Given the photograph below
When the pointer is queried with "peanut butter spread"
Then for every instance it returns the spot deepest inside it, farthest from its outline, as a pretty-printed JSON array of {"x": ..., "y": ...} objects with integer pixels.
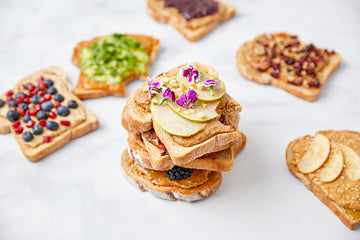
[
  {"x": 285, "y": 58},
  {"x": 76, "y": 116},
  {"x": 159, "y": 178},
  {"x": 343, "y": 191}
]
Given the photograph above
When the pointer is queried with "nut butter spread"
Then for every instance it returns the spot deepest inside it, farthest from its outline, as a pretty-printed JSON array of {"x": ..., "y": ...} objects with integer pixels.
[
  {"x": 159, "y": 178},
  {"x": 285, "y": 58},
  {"x": 343, "y": 191}
]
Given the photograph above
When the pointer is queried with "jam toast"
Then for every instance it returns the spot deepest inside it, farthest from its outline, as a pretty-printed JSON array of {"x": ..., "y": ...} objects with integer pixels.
[
  {"x": 282, "y": 60},
  {"x": 86, "y": 88},
  {"x": 43, "y": 113},
  {"x": 186, "y": 17},
  {"x": 329, "y": 166}
]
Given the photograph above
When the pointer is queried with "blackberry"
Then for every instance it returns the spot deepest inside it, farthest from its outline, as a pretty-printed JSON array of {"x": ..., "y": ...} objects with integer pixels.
[{"x": 179, "y": 173}]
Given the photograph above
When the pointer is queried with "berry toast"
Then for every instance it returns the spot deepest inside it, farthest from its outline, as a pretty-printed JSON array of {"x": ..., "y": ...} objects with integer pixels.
[
  {"x": 110, "y": 62},
  {"x": 43, "y": 113},
  {"x": 329, "y": 165},
  {"x": 193, "y": 19},
  {"x": 282, "y": 60}
]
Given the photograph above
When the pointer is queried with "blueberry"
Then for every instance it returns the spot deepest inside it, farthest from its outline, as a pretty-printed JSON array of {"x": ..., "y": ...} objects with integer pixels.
[
  {"x": 47, "y": 106},
  {"x": 2, "y": 103},
  {"x": 72, "y": 104},
  {"x": 49, "y": 82},
  {"x": 58, "y": 97},
  {"x": 26, "y": 118},
  {"x": 24, "y": 106},
  {"x": 51, "y": 90},
  {"x": 13, "y": 116},
  {"x": 27, "y": 136},
  {"x": 35, "y": 99},
  {"x": 51, "y": 125},
  {"x": 37, "y": 129},
  {"x": 63, "y": 111},
  {"x": 12, "y": 104},
  {"x": 41, "y": 115}
]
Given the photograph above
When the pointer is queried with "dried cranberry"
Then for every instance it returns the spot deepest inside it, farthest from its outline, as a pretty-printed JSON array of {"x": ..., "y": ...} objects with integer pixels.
[
  {"x": 52, "y": 115},
  {"x": 42, "y": 122},
  {"x": 30, "y": 123},
  {"x": 16, "y": 124},
  {"x": 19, "y": 130},
  {"x": 276, "y": 73},
  {"x": 262, "y": 69},
  {"x": 296, "y": 65},
  {"x": 275, "y": 65},
  {"x": 47, "y": 139},
  {"x": 308, "y": 48},
  {"x": 315, "y": 83},
  {"x": 289, "y": 60},
  {"x": 298, "y": 71},
  {"x": 296, "y": 83},
  {"x": 68, "y": 123},
  {"x": 311, "y": 72}
]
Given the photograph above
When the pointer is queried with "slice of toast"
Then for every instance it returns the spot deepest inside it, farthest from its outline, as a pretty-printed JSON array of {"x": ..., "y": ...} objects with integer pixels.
[
  {"x": 81, "y": 119},
  {"x": 151, "y": 46},
  {"x": 335, "y": 194},
  {"x": 147, "y": 180},
  {"x": 193, "y": 29},
  {"x": 150, "y": 155},
  {"x": 303, "y": 69}
]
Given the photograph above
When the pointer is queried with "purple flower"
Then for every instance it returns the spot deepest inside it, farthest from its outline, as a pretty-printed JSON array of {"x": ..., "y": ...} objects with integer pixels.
[
  {"x": 187, "y": 100},
  {"x": 191, "y": 73},
  {"x": 211, "y": 84},
  {"x": 169, "y": 94},
  {"x": 154, "y": 87}
]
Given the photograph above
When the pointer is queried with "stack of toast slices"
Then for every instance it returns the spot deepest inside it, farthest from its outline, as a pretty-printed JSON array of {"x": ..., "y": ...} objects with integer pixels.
[{"x": 154, "y": 154}]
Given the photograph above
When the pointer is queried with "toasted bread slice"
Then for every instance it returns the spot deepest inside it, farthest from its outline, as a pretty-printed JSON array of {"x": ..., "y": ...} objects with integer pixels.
[
  {"x": 82, "y": 120},
  {"x": 149, "y": 154},
  {"x": 151, "y": 47},
  {"x": 199, "y": 186},
  {"x": 340, "y": 195},
  {"x": 255, "y": 60},
  {"x": 194, "y": 29}
]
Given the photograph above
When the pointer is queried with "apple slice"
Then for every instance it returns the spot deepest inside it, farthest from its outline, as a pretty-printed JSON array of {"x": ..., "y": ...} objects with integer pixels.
[
  {"x": 204, "y": 94},
  {"x": 316, "y": 154},
  {"x": 172, "y": 123},
  {"x": 352, "y": 163},
  {"x": 202, "y": 112},
  {"x": 334, "y": 165}
]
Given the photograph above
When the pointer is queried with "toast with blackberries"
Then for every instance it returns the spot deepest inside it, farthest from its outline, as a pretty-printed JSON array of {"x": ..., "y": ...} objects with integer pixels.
[
  {"x": 282, "y": 60},
  {"x": 108, "y": 63},
  {"x": 193, "y": 19},
  {"x": 43, "y": 113},
  {"x": 329, "y": 165}
]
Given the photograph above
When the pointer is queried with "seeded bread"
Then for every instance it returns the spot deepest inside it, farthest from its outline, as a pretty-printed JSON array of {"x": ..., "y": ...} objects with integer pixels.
[
  {"x": 349, "y": 217},
  {"x": 249, "y": 72},
  {"x": 194, "y": 29},
  {"x": 60, "y": 81},
  {"x": 170, "y": 192},
  {"x": 152, "y": 48}
]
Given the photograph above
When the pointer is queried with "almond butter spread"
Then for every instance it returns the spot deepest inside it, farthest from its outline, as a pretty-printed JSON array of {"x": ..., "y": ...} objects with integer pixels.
[
  {"x": 285, "y": 58},
  {"x": 159, "y": 178},
  {"x": 343, "y": 191}
]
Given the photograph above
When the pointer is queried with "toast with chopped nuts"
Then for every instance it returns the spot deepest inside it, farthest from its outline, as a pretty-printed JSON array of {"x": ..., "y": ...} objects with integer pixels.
[
  {"x": 199, "y": 185},
  {"x": 193, "y": 26},
  {"x": 329, "y": 166},
  {"x": 282, "y": 60},
  {"x": 87, "y": 88},
  {"x": 44, "y": 114}
]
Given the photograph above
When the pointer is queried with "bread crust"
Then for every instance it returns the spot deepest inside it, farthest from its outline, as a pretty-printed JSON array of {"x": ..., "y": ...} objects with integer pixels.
[
  {"x": 308, "y": 94},
  {"x": 171, "y": 193},
  {"x": 35, "y": 154},
  {"x": 317, "y": 191},
  {"x": 152, "y": 48},
  {"x": 194, "y": 29}
]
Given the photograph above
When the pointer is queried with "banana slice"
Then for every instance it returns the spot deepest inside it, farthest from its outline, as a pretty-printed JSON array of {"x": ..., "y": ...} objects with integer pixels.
[
  {"x": 352, "y": 163},
  {"x": 333, "y": 166},
  {"x": 316, "y": 155}
]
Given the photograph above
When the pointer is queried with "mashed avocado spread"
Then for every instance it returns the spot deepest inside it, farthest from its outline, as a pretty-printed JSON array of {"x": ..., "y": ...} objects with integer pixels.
[{"x": 113, "y": 58}]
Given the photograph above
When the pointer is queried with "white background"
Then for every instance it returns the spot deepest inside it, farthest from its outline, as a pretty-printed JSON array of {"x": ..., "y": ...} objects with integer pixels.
[{"x": 79, "y": 192}]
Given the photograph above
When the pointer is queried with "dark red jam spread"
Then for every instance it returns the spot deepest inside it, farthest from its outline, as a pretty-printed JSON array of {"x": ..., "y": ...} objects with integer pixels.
[{"x": 193, "y": 8}]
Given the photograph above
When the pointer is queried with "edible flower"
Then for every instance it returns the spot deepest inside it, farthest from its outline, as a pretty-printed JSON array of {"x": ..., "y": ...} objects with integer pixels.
[
  {"x": 168, "y": 95},
  {"x": 191, "y": 73},
  {"x": 211, "y": 84},
  {"x": 154, "y": 87},
  {"x": 187, "y": 100}
]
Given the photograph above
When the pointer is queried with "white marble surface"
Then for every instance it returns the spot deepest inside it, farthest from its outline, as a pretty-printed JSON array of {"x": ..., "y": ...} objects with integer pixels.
[{"x": 79, "y": 193}]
